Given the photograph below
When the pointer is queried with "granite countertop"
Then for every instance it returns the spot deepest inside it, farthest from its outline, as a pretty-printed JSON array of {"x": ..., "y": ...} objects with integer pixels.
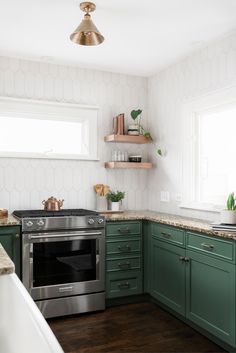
[
  {"x": 6, "y": 265},
  {"x": 9, "y": 221},
  {"x": 172, "y": 220}
]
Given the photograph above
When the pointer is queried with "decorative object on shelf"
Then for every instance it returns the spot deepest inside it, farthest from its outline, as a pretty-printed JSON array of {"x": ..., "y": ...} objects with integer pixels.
[
  {"x": 52, "y": 204},
  {"x": 134, "y": 129},
  {"x": 3, "y": 213},
  {"x": 101, "y": 191},
  {"x": 119, "y": 156},
  {"x": 135, "y": 158},
  {"x": 114, "y": 199},
  {"x": 87, "y": 33},
  {"x": 228, "y": 216}
]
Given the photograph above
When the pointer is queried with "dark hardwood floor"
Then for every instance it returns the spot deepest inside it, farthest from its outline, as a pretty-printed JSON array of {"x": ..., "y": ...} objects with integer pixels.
[{"x": 139, "y": 328}]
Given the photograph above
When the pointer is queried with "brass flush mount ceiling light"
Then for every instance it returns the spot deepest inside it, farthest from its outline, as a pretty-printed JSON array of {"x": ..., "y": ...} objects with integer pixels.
[{"x": 87, "y": 33}]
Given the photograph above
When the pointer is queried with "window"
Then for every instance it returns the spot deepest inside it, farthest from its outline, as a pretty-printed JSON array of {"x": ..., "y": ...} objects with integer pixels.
[
  {"x": 47, "y": 130},
  {"x": 216, "y": 163},
  {"x": 208, "y": 153}
]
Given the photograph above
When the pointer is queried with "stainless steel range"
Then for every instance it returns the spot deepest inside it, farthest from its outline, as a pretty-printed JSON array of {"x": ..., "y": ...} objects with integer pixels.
[{"x": 63, "y": 260}]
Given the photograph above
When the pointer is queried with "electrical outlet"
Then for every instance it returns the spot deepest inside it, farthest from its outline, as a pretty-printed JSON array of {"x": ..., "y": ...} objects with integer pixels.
[{"x": 165, "y": 196}]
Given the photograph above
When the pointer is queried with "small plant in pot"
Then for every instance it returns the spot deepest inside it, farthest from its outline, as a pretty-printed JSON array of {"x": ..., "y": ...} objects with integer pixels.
[
  {"x": 115, "y": 198},
  {"x": 228, "y": 216}
]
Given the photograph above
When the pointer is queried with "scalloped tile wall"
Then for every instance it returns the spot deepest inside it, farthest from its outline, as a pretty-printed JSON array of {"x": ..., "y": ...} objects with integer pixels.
[{"x": 24, "y": 183}]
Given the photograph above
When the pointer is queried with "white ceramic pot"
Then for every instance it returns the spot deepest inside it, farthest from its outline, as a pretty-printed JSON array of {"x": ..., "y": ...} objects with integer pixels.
[
  {"x": 115, "y": 206},
  {"x": 228, "y": 217}
]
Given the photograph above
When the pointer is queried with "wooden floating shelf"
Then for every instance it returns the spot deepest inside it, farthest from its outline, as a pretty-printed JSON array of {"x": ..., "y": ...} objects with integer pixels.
[
  {"x": 127, "y": 139},
  {"x": 128, "y": 165}
]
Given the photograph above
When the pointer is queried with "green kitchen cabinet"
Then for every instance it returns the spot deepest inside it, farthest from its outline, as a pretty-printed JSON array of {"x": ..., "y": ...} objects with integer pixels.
[
  {"x": 168, "y": 275},
  {"x": 10, "y": 239},
  {"x": 210, "y": 295},
  {"x": 124, "y": 260}
]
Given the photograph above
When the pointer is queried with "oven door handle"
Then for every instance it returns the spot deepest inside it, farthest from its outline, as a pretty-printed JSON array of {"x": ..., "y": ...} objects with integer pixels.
[{"x": 64, "y": 235}]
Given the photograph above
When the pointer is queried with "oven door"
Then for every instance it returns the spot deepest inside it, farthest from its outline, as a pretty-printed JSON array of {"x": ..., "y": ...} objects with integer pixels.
[{"x": 63, "y": 264}]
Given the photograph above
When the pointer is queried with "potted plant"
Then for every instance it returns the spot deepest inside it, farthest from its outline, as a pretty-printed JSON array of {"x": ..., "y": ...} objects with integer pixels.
[
  {"x": 228, "y": 216},
  {"x": 115, "y": 198}
]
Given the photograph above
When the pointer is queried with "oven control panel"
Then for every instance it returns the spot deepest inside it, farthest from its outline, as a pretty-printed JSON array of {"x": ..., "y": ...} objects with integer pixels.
[{"x": 60, "y": 223}]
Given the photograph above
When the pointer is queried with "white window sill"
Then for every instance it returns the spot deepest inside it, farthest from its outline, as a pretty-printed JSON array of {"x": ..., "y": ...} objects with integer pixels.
[{"x": 202, "y": 207}]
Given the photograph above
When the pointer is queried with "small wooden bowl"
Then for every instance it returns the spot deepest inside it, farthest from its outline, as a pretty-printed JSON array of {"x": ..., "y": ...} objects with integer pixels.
[{"x": 3, "y": 213}]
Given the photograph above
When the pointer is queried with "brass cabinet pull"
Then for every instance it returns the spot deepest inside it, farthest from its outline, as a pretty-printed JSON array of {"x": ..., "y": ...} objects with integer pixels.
[
  {"x": 124, "y": 265},
  {"x": 181, "y": 258},
  {"x": 124, "y": 230},
  {"x": 124, "y": 285},
  {"x": 207, "y": 246},
  {"x": 125, "y": 248},
  {"x": 17, "y": 236},
  {"x": 166, "y": 235}
]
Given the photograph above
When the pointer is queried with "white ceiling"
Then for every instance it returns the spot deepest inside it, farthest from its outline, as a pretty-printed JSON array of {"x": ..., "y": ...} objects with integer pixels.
[{"x": 141, "y": 37}]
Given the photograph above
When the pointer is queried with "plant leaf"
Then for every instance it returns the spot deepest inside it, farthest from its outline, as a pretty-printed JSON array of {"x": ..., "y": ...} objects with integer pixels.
[
  {"x": 135, "y": 113},
  {"x": 159, "y": 151}
]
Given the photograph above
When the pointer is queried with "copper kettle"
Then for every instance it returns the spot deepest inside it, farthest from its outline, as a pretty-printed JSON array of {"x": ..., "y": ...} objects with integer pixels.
[{"x": 52, "y": 204}]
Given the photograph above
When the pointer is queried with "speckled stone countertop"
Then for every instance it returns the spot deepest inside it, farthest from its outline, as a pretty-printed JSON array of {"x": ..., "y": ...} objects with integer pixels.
[
  {"x": 6, "y": 265},
  {"x": 9, "y": 221},
  {"x": 172, "y": 220}
]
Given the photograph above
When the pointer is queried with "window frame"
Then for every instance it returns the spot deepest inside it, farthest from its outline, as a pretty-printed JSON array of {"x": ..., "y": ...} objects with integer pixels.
[
  {"x": 213, "y": 101},
  {"x": 40, "y": 109}
]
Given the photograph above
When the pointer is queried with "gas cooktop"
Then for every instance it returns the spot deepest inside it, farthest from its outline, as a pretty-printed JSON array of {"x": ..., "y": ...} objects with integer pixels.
[{"x": 61, "y": 213}]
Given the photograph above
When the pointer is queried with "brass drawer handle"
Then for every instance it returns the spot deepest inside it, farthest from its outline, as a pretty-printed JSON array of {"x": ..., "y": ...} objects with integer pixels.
[
  {"x": 124, "y": 230},
  {"x": 124, "y": 285},
  {"x": 166, "y": 235},
  {"x": 184, "y": 259},
  {"x": 124, "y": 265},
  {"x": 125, "y": 248},
  {"x": 207, "y": 246}
]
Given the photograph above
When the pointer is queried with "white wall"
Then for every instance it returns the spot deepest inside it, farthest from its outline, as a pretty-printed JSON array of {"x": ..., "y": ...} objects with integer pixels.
[
  {"x": 209, "y": 69},
  {"x": 24, "y": 183}
]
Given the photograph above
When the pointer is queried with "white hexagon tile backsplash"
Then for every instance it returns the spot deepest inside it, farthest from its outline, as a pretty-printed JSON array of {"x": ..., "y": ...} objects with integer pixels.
[{"x": 24, "y": 183}]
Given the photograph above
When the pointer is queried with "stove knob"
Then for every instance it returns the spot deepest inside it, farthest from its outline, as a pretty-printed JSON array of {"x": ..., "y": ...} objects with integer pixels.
[
  {"x": 40, "y": 222},
  {"x": 100, "y": 220},
  {"x": 29, "y": 223},
  {"x": 91, "y": 221}
]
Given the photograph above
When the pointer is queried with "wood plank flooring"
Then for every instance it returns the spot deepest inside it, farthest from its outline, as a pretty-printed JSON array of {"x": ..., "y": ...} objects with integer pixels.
[{"x": 136, "y": 328}]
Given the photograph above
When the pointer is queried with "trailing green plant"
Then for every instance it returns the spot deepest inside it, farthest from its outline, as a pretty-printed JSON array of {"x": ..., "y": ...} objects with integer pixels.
[
  {"x": 115, "y": 196},
  {"x": 134, "y": 115},
  {"x": 231, "y": 202}
]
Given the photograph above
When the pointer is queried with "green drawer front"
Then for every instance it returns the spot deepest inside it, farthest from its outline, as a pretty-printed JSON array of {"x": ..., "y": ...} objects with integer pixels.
[
  {"x": 123, "y": 228},
  {"x": 216, "y": 247},
  {"x": 123, "y": 247},
  {"x": 128, "y": 283},
  {"x": 168, "y": 234},
  {"x": 129, "y": 263}
]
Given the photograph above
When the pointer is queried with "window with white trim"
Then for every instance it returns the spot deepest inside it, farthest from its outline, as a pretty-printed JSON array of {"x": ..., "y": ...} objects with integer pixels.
[
  {"x": 40, "y": 129},
  {"x": 209, "y": 149},
  {"x": 216, "y": 154}
]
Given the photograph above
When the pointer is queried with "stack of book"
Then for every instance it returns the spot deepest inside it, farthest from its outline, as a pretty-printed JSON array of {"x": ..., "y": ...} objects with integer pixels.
[{"x": 224, "y": 227}]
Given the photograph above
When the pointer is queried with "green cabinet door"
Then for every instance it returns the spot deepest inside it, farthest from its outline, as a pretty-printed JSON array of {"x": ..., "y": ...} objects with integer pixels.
[
  {"x": 11, "y": 241},
  {"x": 210, "y": 294},
  {"x": 168, "y": 275}
]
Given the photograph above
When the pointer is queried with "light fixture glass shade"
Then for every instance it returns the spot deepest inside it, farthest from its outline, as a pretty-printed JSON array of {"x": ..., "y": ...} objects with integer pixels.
[{"x": 87, "y": 33}]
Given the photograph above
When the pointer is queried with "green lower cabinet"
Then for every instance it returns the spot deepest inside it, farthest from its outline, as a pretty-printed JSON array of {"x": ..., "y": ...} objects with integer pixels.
[
  {"x": 168, "y": 275},
  {"x": 210, "y": 295},
  {"x": 11, "y": 241},
  {"x": 124, "y": 283},
  {"x": 147, "y": 262}
]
